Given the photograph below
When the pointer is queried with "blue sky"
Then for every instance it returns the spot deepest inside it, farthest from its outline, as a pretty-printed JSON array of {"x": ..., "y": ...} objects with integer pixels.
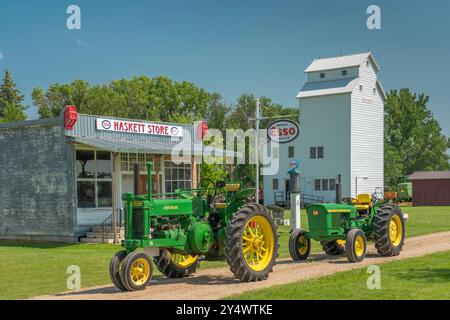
[{"x": 231, "y": 47}]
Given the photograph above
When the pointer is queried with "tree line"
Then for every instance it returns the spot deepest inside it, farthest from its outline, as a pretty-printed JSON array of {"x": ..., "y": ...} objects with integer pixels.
[{"x": 413, "y": 137}]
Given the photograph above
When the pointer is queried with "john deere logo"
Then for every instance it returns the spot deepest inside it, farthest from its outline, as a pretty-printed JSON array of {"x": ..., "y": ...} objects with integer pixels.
[
  {"x": 137, "y": 203},
  {"x": 316, "y": 212},
  {"x": 106, "y": 124},
  {"x": 170, "y": 208}
]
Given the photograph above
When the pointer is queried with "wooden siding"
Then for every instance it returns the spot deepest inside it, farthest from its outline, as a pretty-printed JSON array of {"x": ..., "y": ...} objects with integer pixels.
[
  {"x": 431, "y": 192},
  {"x": 367, "y": 130}
]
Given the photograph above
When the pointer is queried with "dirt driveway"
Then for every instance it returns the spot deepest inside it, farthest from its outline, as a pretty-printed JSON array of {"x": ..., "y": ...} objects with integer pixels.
[{"x": 219, "y": 283}]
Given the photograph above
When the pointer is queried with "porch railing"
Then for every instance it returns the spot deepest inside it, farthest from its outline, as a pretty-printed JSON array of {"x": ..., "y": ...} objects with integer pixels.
[{"x": 107, "y": 226}]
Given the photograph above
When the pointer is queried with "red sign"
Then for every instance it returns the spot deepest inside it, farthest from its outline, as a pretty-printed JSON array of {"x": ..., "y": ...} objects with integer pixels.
[
  {"x": 282, "y": 131},
  {"x": 139, "y": 127},
  {"x": 202, "y": 130},
  {"x": 70, "y": 117}
]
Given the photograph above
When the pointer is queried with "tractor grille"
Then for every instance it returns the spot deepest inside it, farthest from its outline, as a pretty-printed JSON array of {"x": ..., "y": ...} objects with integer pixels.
[
  {"x": 138, "y": 222},
  {"x": 336, "y": 221}
]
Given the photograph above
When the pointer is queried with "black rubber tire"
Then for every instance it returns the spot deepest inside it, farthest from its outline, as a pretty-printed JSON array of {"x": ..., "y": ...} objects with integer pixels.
[
  {"x": 125, "y": 270},
  {"x": 332, "y": 248},
  {"x": 171, "y": 270},
  {"x": 114, "y": 269},
  {"x": 380, "y": 227},
  {"x": 233, "y": 243},
  {"x": 294, "y": 245},
  {"x": 352, "y": 256}
]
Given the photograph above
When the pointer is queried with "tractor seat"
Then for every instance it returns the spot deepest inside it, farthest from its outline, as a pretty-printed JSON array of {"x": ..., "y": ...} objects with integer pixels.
[
  {"x": 232, "y": 187},
  {"x": 220, "y": 205},
  {"x": 364, "y": 200}
]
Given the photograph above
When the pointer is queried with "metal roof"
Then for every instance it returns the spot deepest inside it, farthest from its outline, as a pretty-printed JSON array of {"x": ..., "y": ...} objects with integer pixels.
[
  {"x": 321, "y": 88},
  {"x": 430, "y": 175},
  {"x": 139, "y": 146},
  {"x": 341, "y": 62}
]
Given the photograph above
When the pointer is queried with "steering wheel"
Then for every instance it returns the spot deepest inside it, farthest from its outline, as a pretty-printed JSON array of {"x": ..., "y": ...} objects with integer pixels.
[
  {"x": 350, "y": 200},
  {"x": 206, "y": 183}
]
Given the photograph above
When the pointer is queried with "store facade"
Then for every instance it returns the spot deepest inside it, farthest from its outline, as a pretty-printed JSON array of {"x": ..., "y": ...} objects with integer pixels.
[{"x": 59, "y": 177}]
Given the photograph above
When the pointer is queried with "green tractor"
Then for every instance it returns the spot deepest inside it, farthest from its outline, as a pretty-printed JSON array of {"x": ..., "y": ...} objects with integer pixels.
[
  {"x": 346, "y": 227},
  {"x": 177, "y": 230}
]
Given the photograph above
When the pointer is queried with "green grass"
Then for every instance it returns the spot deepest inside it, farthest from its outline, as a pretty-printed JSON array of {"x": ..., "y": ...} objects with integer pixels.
[
  {"x": 426, "y": 277},
  {"x": 30, "y": 269},
  {"x": 426, "y": 220}
]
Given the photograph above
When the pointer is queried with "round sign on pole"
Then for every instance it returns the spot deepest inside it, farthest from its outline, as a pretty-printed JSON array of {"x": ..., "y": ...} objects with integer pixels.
[{"x": 282, "y": 131}]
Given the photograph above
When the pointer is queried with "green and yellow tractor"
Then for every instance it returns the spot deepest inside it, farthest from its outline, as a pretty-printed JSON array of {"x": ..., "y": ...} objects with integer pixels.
[
  {"x": 346, "y": 228},
  {"x": 176, "y": 231}
]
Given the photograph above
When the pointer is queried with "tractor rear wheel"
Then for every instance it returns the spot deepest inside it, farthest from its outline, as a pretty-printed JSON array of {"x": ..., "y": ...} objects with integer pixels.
[
  {"x": 176, "y": 265},
  {"x": 299, "y": 245},
  {"x": 389, "y": 230},
  {"x": 136, "y": 271},
  {"x": 334, "y": 247},
  {"x": 114, "y": 269},
  {"x": 251, "y": 243},
  {"x": 355, "y": 245}
]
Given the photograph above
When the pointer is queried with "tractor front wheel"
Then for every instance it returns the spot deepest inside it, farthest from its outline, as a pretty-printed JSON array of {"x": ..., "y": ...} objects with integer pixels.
[
  {"x": 299, "y": 245},
  {"x": 251, "y": 243},
  {"x": 176, "y": 265},
  {"x": 389, "y": 230},
  {"x": 355, "y": 245},
  {"x": 114, "y": 269},
  {"x": 136, "y": 271},
  {"x": 334, "y": 247}
]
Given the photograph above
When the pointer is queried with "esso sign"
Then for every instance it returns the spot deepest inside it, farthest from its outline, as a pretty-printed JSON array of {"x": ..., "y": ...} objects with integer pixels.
[{"x": 282, "y": 131}]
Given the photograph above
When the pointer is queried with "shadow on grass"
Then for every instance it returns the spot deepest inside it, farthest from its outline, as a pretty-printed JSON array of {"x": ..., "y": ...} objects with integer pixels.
[{"x": 434, "y": 275}]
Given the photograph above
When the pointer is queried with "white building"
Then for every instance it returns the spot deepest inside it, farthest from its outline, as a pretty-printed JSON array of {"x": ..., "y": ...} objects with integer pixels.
[{"x": 341, "y": 131}]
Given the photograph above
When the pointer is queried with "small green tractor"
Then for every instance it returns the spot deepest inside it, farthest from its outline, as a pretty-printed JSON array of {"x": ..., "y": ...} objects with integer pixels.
[
  {"x": 180, "y": 229},
  {"x": 346, "y": 227}
]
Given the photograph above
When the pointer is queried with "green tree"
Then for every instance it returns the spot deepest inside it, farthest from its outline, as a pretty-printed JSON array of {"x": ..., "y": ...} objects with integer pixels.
[
  {"x": 413, "y": 137},
  {"x": 11, "y": 108}
]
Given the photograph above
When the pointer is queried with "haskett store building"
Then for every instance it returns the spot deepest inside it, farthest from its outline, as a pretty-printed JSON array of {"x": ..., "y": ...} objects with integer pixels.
[{"x": 60, "y": 177}]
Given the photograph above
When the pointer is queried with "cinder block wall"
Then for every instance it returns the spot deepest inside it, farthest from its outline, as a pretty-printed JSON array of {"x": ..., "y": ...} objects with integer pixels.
[{"x": 37, "y": 189}]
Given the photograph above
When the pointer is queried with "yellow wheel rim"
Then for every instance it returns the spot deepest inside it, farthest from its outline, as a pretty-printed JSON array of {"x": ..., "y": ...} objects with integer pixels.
[
  {"x": 183, "y": 260},
  {"x": 258, "y": 243},
  {"x": 302, "y": 245},
  {"x": 140, "y": 271},
  {"x": 395, "y": 230},
  {"x": 359, "y": 246}
]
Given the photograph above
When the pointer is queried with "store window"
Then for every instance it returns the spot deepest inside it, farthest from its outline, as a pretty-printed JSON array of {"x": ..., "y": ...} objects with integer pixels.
[
  {"x": 127, "y": 161},
  {"x": 94, "y": 179},
  {"x": 177, "y": 176}
]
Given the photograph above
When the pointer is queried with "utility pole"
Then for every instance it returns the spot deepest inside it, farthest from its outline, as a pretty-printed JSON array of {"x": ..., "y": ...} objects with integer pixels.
[
  {"x": 257, "y": 150},
  {"x": 257, "y": 119}
]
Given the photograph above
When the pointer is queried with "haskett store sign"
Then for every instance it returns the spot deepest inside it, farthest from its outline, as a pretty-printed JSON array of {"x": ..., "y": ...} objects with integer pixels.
[{"x": 139, "y": 127}]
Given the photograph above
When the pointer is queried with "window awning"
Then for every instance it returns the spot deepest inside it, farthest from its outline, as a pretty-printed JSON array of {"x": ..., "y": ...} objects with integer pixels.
[{"x": 154, "y": 147}]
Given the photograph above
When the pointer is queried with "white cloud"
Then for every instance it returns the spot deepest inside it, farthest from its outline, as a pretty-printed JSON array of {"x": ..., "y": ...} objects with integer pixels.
[
  {"x": 82, "y": 43},
  {"x": 1, "y": 56}
]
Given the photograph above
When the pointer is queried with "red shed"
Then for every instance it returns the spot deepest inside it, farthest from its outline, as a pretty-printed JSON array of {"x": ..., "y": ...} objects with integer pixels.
[{"x": 431, "y": 188}]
